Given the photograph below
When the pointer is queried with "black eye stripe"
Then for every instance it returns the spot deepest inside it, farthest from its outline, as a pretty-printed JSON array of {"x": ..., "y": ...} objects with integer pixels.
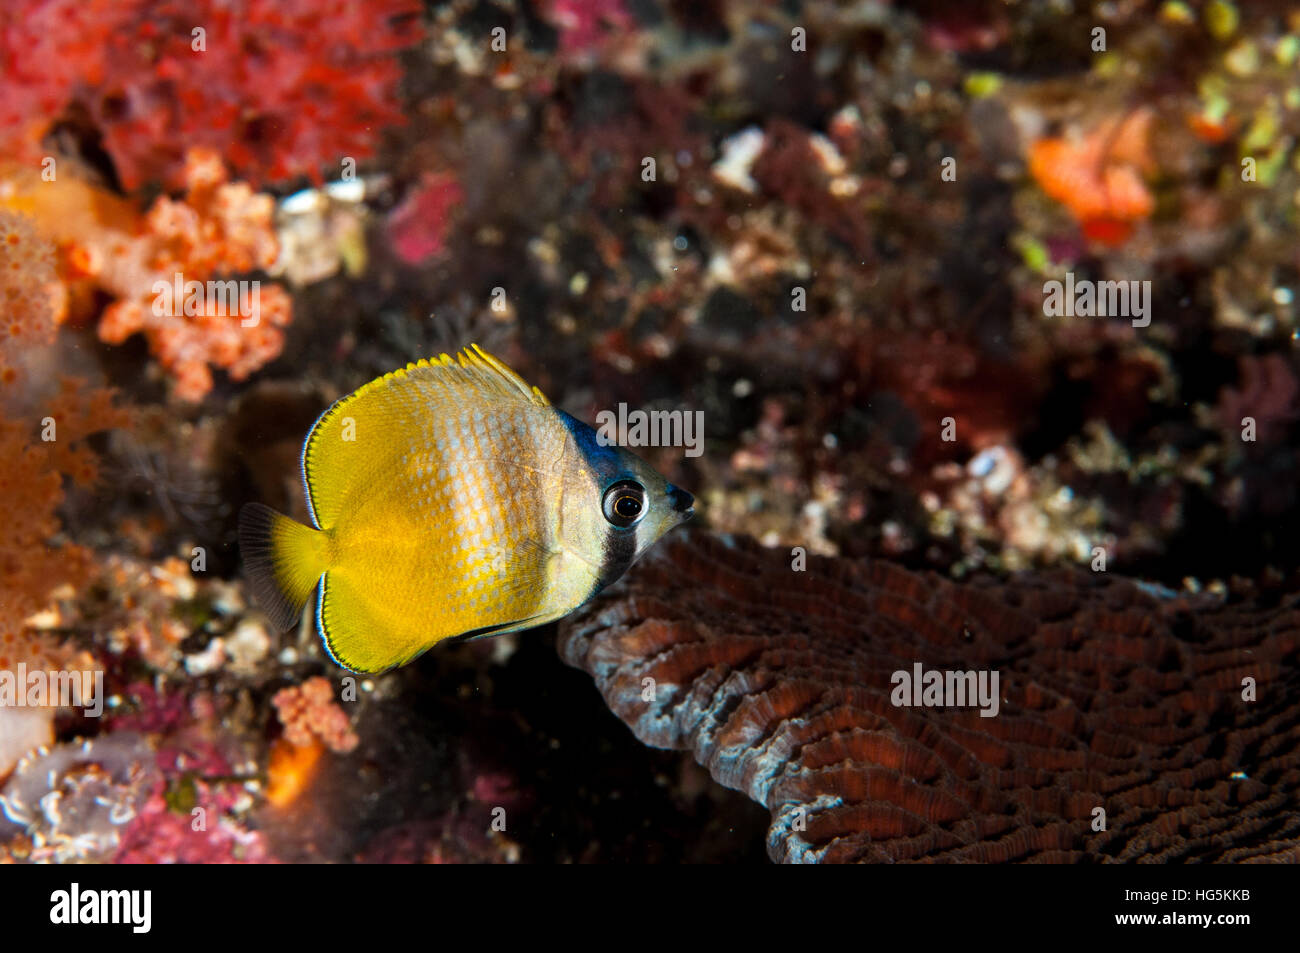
[{"x": 620, "y": 543}]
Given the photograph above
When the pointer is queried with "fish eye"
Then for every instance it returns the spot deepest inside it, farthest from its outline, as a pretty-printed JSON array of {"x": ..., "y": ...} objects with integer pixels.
[{"x": 624, "y": 503}]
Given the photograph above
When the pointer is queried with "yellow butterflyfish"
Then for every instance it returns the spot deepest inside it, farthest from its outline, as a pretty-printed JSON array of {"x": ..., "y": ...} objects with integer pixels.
[{"x": 451, "y": 500}]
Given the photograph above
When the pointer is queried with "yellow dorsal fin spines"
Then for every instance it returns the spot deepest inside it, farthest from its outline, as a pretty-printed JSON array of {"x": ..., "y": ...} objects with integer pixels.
[{"x": 489, "y": 368}]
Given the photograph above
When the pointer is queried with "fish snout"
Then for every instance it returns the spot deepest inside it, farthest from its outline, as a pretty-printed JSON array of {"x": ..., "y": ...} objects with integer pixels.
[{"x": 681, "y": 502}]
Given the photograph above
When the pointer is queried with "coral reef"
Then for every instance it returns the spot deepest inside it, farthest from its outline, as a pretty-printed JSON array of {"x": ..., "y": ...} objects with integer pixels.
[
  {"x": 1173, "y": 715},
  {"x": 828, "y": 228}
]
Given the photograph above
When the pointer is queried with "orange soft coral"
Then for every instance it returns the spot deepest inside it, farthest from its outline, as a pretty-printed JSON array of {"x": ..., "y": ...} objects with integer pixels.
[
  {"x": 219, "y": 228},
  {"x": 38, "y": 450},
  {"x": 39, "y": 447},
  {"x": 31, "y": 483},
  {"x": 1099, "y": 176},
  {"x": 27, "y": 293}
]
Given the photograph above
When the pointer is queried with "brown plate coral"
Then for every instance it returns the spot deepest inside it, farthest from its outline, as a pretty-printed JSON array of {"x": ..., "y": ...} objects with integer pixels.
[{"x": 1133, "y": 724}]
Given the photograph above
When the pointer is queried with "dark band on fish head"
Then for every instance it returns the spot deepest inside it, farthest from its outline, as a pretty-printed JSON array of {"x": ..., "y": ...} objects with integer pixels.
[
  {"x": 607, "y": 467},
  {"x": 619, "y": 551}
]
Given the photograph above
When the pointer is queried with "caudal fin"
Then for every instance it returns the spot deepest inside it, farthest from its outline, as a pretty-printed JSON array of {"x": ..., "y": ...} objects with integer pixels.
[{"x": 283, "y": 560}]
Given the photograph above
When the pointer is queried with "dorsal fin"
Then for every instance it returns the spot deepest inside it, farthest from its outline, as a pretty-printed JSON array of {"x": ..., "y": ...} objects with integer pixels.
[{"x": 354, "y": 440}]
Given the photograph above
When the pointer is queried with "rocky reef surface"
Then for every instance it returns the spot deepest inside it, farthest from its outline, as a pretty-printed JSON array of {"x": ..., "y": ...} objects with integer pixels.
[{"x": 988, "y": 308}]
